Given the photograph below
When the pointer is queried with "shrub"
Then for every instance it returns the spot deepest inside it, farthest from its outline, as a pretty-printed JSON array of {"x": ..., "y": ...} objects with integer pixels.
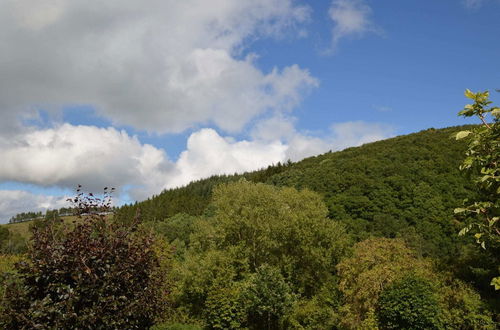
[
  {"x": 224, "y": 308},
  {"x": 375, "y": 264},
  {"x": 10, "y": 242},
  {"x": 409, "y": 304},
  {"x": 94, "y": 274},
  {"x": 268, "y": 297}
]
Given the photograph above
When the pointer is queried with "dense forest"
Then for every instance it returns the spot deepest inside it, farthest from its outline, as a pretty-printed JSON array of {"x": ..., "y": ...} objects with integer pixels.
[
  {"x": 364, "y": 238},
  {"x": 403, "y": 187}
]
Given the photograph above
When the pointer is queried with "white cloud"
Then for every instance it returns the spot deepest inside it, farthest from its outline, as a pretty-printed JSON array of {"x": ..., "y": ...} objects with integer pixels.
[
  {"x": 69, "y": 155},
  {"x": 17, "y": 201},
  {"x": 356, "y": 133},
  {"x": 351, "y": 18},
  {"x": 157, "y": 65},
  {"x": 208, "y": 153},
  {"x": 301, "y": 145}
]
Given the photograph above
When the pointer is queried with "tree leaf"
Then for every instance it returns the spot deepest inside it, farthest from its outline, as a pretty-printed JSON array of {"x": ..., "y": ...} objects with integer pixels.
[
  {"x": 469, "y": 94},
  {"x": 462, "y": 134},
  {"x": 495, "y": 112},
  {"x": 496, "y": 282}
]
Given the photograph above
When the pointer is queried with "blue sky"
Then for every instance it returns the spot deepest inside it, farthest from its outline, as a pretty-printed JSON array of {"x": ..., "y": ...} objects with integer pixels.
[{"x": 151, "y": 95}]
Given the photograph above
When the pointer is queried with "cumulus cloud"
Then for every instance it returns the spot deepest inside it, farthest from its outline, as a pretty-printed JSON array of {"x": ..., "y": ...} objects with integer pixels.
[
  {"x": 160, "y": 66},
  {"x": 155, "y": 65},
  {"x": 351, "y": 18},
  {"x": 17, "y": 201},
  {"x": 208, "y": 153},
  {"x": 69, "y": 155}
]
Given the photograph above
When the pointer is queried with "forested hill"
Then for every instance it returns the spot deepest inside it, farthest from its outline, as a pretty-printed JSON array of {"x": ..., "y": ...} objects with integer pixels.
[{"x": 403, "y": 186}]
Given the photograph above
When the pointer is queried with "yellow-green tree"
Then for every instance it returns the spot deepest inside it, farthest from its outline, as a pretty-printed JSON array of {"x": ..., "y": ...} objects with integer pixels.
[
  {"x": 280, "y": 227},
  {"x": 377, "y": 263},
  {"x": 262, "y": 247}
]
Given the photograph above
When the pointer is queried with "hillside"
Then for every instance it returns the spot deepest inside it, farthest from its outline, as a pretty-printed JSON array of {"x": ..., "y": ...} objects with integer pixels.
[
  {"x": 230, "y": 243},
  {"x": 403, "y": 186},
  {"x": 23, "y": 228}
]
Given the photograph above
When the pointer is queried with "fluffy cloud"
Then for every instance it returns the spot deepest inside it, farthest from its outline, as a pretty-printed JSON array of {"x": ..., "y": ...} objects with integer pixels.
[
  {"x": 156, "y": 65},
  {"x": 208, "y": 153},
  {"x": 160, "y": 66},
  {"x": 273, "y": 140},
  {"x": 69, "y": 155},
  {"x": 96, "y": 157},
  {"x": 17, "y": 201},
  {"x": 351, "y": 18}
]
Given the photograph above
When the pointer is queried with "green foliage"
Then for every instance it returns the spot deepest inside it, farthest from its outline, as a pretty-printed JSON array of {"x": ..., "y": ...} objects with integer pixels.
[
  {"x": 268, "y": 297},
  {"x": 462, "y": 307},
  {"x": 96, "y": 273},
  {"x": 200, "y": 272},
  {"x": 224, "y": 308},
  {"x": 409, "y": 303},
  {"x": 383, "y": 188},
  {"x": 179, "y": 227},
  {"x": 311, "y": 314},
  {"x": 319, "y": 312},
  {"x": 7, "y": 273},
  {"x": 281, "y": 227},
  {"x": 263, "y": 247},
  {"x": 378, "y": 263},
  {"x": 176, "y": 230},
  {"x": 25, "y": 216},
  {"x": 482, "y": 166},
  {"x": 11, "y": 243},
  {"x": 192, "y": 199},
  {"x": 386, "y": 187},
  {"x": 254, "y": 255},
  {"x": 375, "y": 264}
]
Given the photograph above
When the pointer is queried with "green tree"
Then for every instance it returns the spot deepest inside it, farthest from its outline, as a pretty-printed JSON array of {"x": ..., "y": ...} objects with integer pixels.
[
  {"x": 11, "y": 243},
  {"x": 224, "y": 308},
  {"x": 261, "y": 247},
  {"x": 281, "y": 227},
  {"x": 375, "y": 264},
  {"x": 409, "y": 303},
  {"x": 482, "y": 165},
  {"x": 268, "y": 297}
]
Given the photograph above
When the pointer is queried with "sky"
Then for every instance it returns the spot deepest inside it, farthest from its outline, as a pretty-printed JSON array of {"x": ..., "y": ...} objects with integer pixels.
[{"x": 150, "y": 95}]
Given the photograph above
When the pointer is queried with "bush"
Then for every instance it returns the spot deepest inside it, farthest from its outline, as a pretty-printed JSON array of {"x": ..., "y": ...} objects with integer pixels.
[
  {"x": 95, "y": 274},
  {"x": 11, "y": 243},
  {"x": 374, "y": 265},
  {"x": 224, "y": 308},
  {"x": 409, "y": 304},
  {"x": 268, "y": 297}
]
